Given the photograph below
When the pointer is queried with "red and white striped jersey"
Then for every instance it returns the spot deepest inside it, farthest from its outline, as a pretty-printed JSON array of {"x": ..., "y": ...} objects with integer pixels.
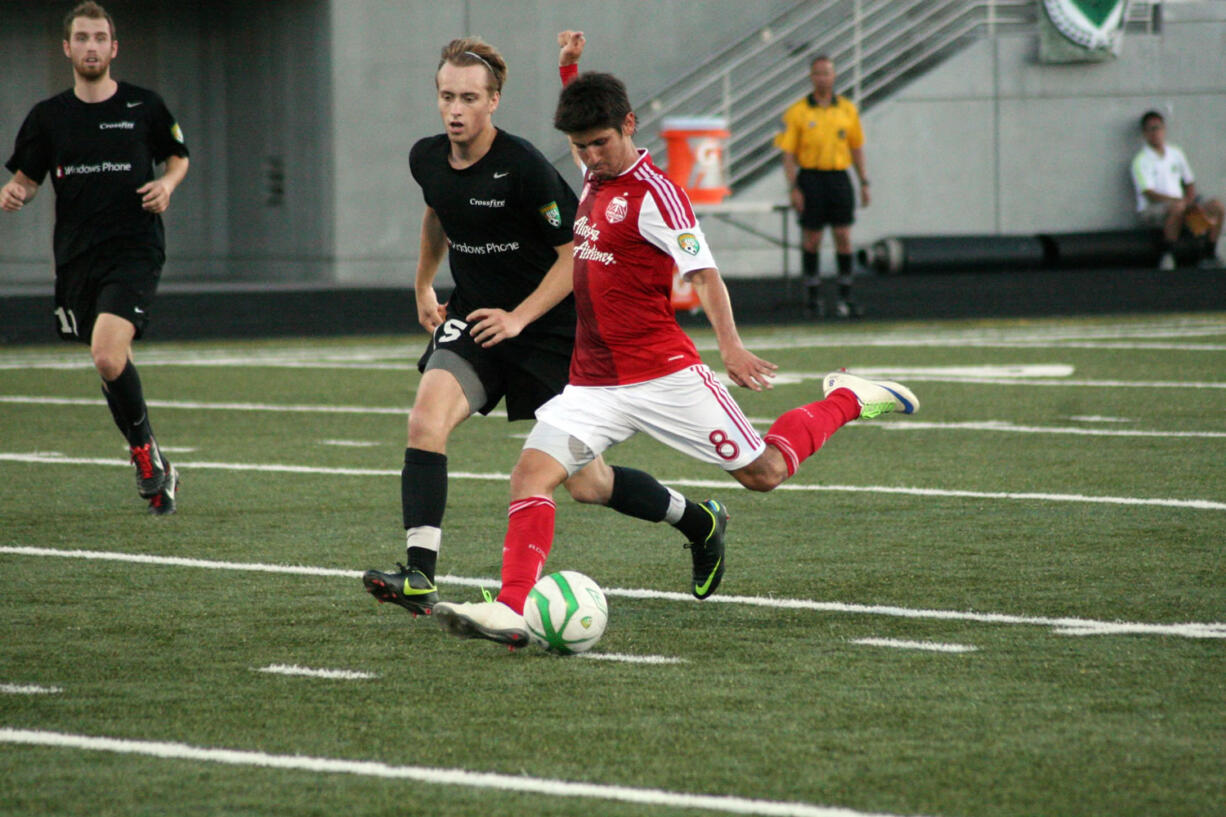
[{"x": 630, "y": 233}]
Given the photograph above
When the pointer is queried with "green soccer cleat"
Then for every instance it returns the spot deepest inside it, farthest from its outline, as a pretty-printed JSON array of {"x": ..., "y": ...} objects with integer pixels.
[
  {"x": 708, "y": 555},
  {"x": 410, "y": 588}
]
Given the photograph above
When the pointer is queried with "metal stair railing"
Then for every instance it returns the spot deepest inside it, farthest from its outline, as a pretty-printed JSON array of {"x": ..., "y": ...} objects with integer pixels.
[{"x": 878, "y": 47}]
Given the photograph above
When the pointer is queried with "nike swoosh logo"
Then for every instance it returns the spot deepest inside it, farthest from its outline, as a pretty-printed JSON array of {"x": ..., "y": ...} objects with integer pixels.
[
  {"x": 702, "y": 588},
  {"x": 503, "y": 173},
  {"x": 138, "y": 310},
  {"x": 134, "y": 104}
]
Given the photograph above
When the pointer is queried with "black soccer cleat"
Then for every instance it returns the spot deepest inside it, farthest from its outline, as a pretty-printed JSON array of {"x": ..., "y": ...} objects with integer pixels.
[
  {"x": 150, "y": 468},
  {"x": 410, "y": 588},
  {"x": 163, "y": 502},
  {"x": 708, "y": 555}
]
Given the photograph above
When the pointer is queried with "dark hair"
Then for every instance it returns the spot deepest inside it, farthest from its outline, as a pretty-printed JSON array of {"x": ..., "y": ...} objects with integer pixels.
[
  {"x": 592, "y": 100},
  {"x": 820, "y": 58},
  {"x": 88, "y": 9},
  {"x": 1148, "y": 115}
]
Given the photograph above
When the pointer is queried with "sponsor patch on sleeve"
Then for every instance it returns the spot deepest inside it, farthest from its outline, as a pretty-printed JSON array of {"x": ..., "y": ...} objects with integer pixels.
[
  {"x": 552, "y": 214},
  {"x": 177, "y": 133},
  {"x": 688, "y": 242}
]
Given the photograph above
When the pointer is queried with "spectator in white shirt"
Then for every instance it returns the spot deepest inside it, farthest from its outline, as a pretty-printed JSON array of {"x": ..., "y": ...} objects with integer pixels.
[{"x": 1166, "y": 194}]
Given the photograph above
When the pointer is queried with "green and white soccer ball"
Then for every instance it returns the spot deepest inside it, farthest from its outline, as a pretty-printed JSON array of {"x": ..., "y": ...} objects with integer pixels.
[{"x": 566, "y": 612}]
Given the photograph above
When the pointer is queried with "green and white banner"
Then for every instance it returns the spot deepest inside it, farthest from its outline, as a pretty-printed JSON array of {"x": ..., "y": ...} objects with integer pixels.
[{"x": 1080, "y": 30}]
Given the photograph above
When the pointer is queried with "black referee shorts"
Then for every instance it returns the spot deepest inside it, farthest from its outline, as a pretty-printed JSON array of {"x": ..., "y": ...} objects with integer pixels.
[
  {"x": 527, "y": 371},
  {"x": 115, "y": 277},
  {"x": 829, "y": 199}
]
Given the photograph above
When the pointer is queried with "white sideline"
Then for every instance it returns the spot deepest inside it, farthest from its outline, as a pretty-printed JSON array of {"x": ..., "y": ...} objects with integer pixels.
[
  {"x": 423, "y": 774},
  {"x": 332, "y": 674},
  {"x": 917, "y": 425},
  {"x": 29, "y": 689},
  {"x": 55, "y": 458},
  {"x": 1063, "y": 626},
  {"x": 929, "y": 646}
]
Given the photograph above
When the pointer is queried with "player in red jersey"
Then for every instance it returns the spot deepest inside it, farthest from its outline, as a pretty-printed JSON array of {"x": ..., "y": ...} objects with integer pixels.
[{"x": 633, "y": 368}]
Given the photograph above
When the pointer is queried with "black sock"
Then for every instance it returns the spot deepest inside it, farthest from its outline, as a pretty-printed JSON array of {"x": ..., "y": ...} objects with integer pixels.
[
  {"x": 127, "y": 401},
  {"x": 423, "y": 499},
  {"x": 116, "y": 413},
  {"x": 844, "y": 263},
  {"x": 696, "y": 523},
  {"x": 809, "y": 269},
  {"x": 638, "y": 494}
]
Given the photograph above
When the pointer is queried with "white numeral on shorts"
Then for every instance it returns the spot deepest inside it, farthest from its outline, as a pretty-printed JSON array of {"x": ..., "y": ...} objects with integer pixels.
[
  {"x": 68, "y": 321},
  {"x": 451, "y": 330}
]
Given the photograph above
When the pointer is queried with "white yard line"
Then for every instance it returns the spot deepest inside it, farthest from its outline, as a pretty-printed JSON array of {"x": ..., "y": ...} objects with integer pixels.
[
  {"x": 54, "y": 458},
  {"x": 28, "y": 689},
  {"x": 632, "y": 659},
  {"x": 927, "y": 646},
  {"x": 892, "y": 425},
  {"x": 331, "y": 674},
  {"x": 519, "y": 783},
  {"x": 1064, "y": 625}
]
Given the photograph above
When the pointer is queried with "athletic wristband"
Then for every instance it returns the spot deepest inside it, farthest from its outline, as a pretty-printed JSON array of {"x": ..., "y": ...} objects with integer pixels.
[{"x": 568, "y": 72}]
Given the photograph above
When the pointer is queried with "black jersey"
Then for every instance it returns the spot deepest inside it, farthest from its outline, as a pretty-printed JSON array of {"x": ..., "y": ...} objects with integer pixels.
[
  {"x": 503, "y": 217},
  {"x": 98, "y": 155}
]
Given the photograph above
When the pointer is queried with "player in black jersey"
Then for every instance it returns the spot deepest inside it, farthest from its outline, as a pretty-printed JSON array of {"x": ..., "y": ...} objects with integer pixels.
[
  {"x": 504, "y": 216},
  {"x": 100, "y": 141}
]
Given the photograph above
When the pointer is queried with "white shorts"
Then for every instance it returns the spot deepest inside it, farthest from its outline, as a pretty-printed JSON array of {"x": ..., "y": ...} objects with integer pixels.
[{"x": 689, "y": 410}]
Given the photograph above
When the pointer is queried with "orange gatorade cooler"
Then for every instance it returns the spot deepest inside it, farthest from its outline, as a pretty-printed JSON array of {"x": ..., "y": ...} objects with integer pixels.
[{"x": 696, "y": 156}]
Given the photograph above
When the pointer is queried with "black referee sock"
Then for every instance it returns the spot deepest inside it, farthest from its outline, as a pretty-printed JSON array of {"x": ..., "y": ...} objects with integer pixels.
[
  {"x": 844, "y": 265},
  {"x": 423, "y": 500},
  {"x": 127, "y": 400}
]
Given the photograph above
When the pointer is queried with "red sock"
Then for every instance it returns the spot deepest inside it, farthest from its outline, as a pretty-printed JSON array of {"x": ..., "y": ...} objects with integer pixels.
[
  {"x": 800, "y": 432},
  {"x": 529, "y": 536}
]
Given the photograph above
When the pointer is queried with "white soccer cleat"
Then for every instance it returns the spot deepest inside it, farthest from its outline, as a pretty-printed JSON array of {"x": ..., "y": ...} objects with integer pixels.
[
  {"x": 876, "y": 397},
  {"x": 483, "y": 619}
]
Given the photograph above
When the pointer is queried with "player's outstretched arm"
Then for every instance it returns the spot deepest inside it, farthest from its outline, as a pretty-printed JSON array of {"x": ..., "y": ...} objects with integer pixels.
[
  {"x": 430, "y": 313},
  {"x": 492, "y": 326},
  {"x": 744, "y": 367},
  {"x": 570, "y": 44},
  {"x": 17, "y": 192}
]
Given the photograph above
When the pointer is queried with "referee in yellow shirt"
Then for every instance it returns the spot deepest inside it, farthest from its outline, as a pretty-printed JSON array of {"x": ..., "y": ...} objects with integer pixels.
[{"x": 821, "y": 138}]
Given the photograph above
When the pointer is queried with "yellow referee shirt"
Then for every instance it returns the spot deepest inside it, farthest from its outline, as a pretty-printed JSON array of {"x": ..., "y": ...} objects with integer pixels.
[{"x": 821, "y": 138}]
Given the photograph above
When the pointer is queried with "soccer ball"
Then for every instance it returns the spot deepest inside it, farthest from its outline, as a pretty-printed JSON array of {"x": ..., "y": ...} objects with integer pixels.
[{"x": 566, "y": 612}]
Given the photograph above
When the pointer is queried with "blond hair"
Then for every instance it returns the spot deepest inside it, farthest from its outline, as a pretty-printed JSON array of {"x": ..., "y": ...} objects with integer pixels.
[{"x": 476, "y": 51}]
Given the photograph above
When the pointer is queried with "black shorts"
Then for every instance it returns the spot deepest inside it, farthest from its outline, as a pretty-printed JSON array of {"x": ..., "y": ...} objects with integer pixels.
[
  {"x": 829, "y": 199},
  {"x": 115, "y": 277},
  {"x": 527, "y": 371}
]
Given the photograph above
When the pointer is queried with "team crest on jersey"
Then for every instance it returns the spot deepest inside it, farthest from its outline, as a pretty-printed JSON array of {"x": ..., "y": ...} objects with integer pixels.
[
  {"x": 552, "y": 214},
  {"x": 616, "y": 211},
  {"x": 688, "y": 243}
]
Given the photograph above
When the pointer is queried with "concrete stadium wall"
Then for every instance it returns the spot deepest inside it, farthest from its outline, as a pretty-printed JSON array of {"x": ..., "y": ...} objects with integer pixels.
[
  {"x": 993, "y": 142},
  {"x": 322, "y": 99}
]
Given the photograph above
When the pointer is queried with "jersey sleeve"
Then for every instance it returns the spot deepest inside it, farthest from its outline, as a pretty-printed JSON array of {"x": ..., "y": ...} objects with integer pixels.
[
  {"x": 789, "y": 140},
  {"x": 1139, "y": 173},
  {"x": 675, "y": 232},
  {"x": 552, "y": 203},
  {"x": 165, "y": 135},
  {"x": 32, "y": 152},
  {"x": 855, "y": 133}
]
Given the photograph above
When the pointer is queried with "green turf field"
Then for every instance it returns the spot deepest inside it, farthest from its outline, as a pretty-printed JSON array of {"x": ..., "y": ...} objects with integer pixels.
[{"x": 1013, "y": 603}]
